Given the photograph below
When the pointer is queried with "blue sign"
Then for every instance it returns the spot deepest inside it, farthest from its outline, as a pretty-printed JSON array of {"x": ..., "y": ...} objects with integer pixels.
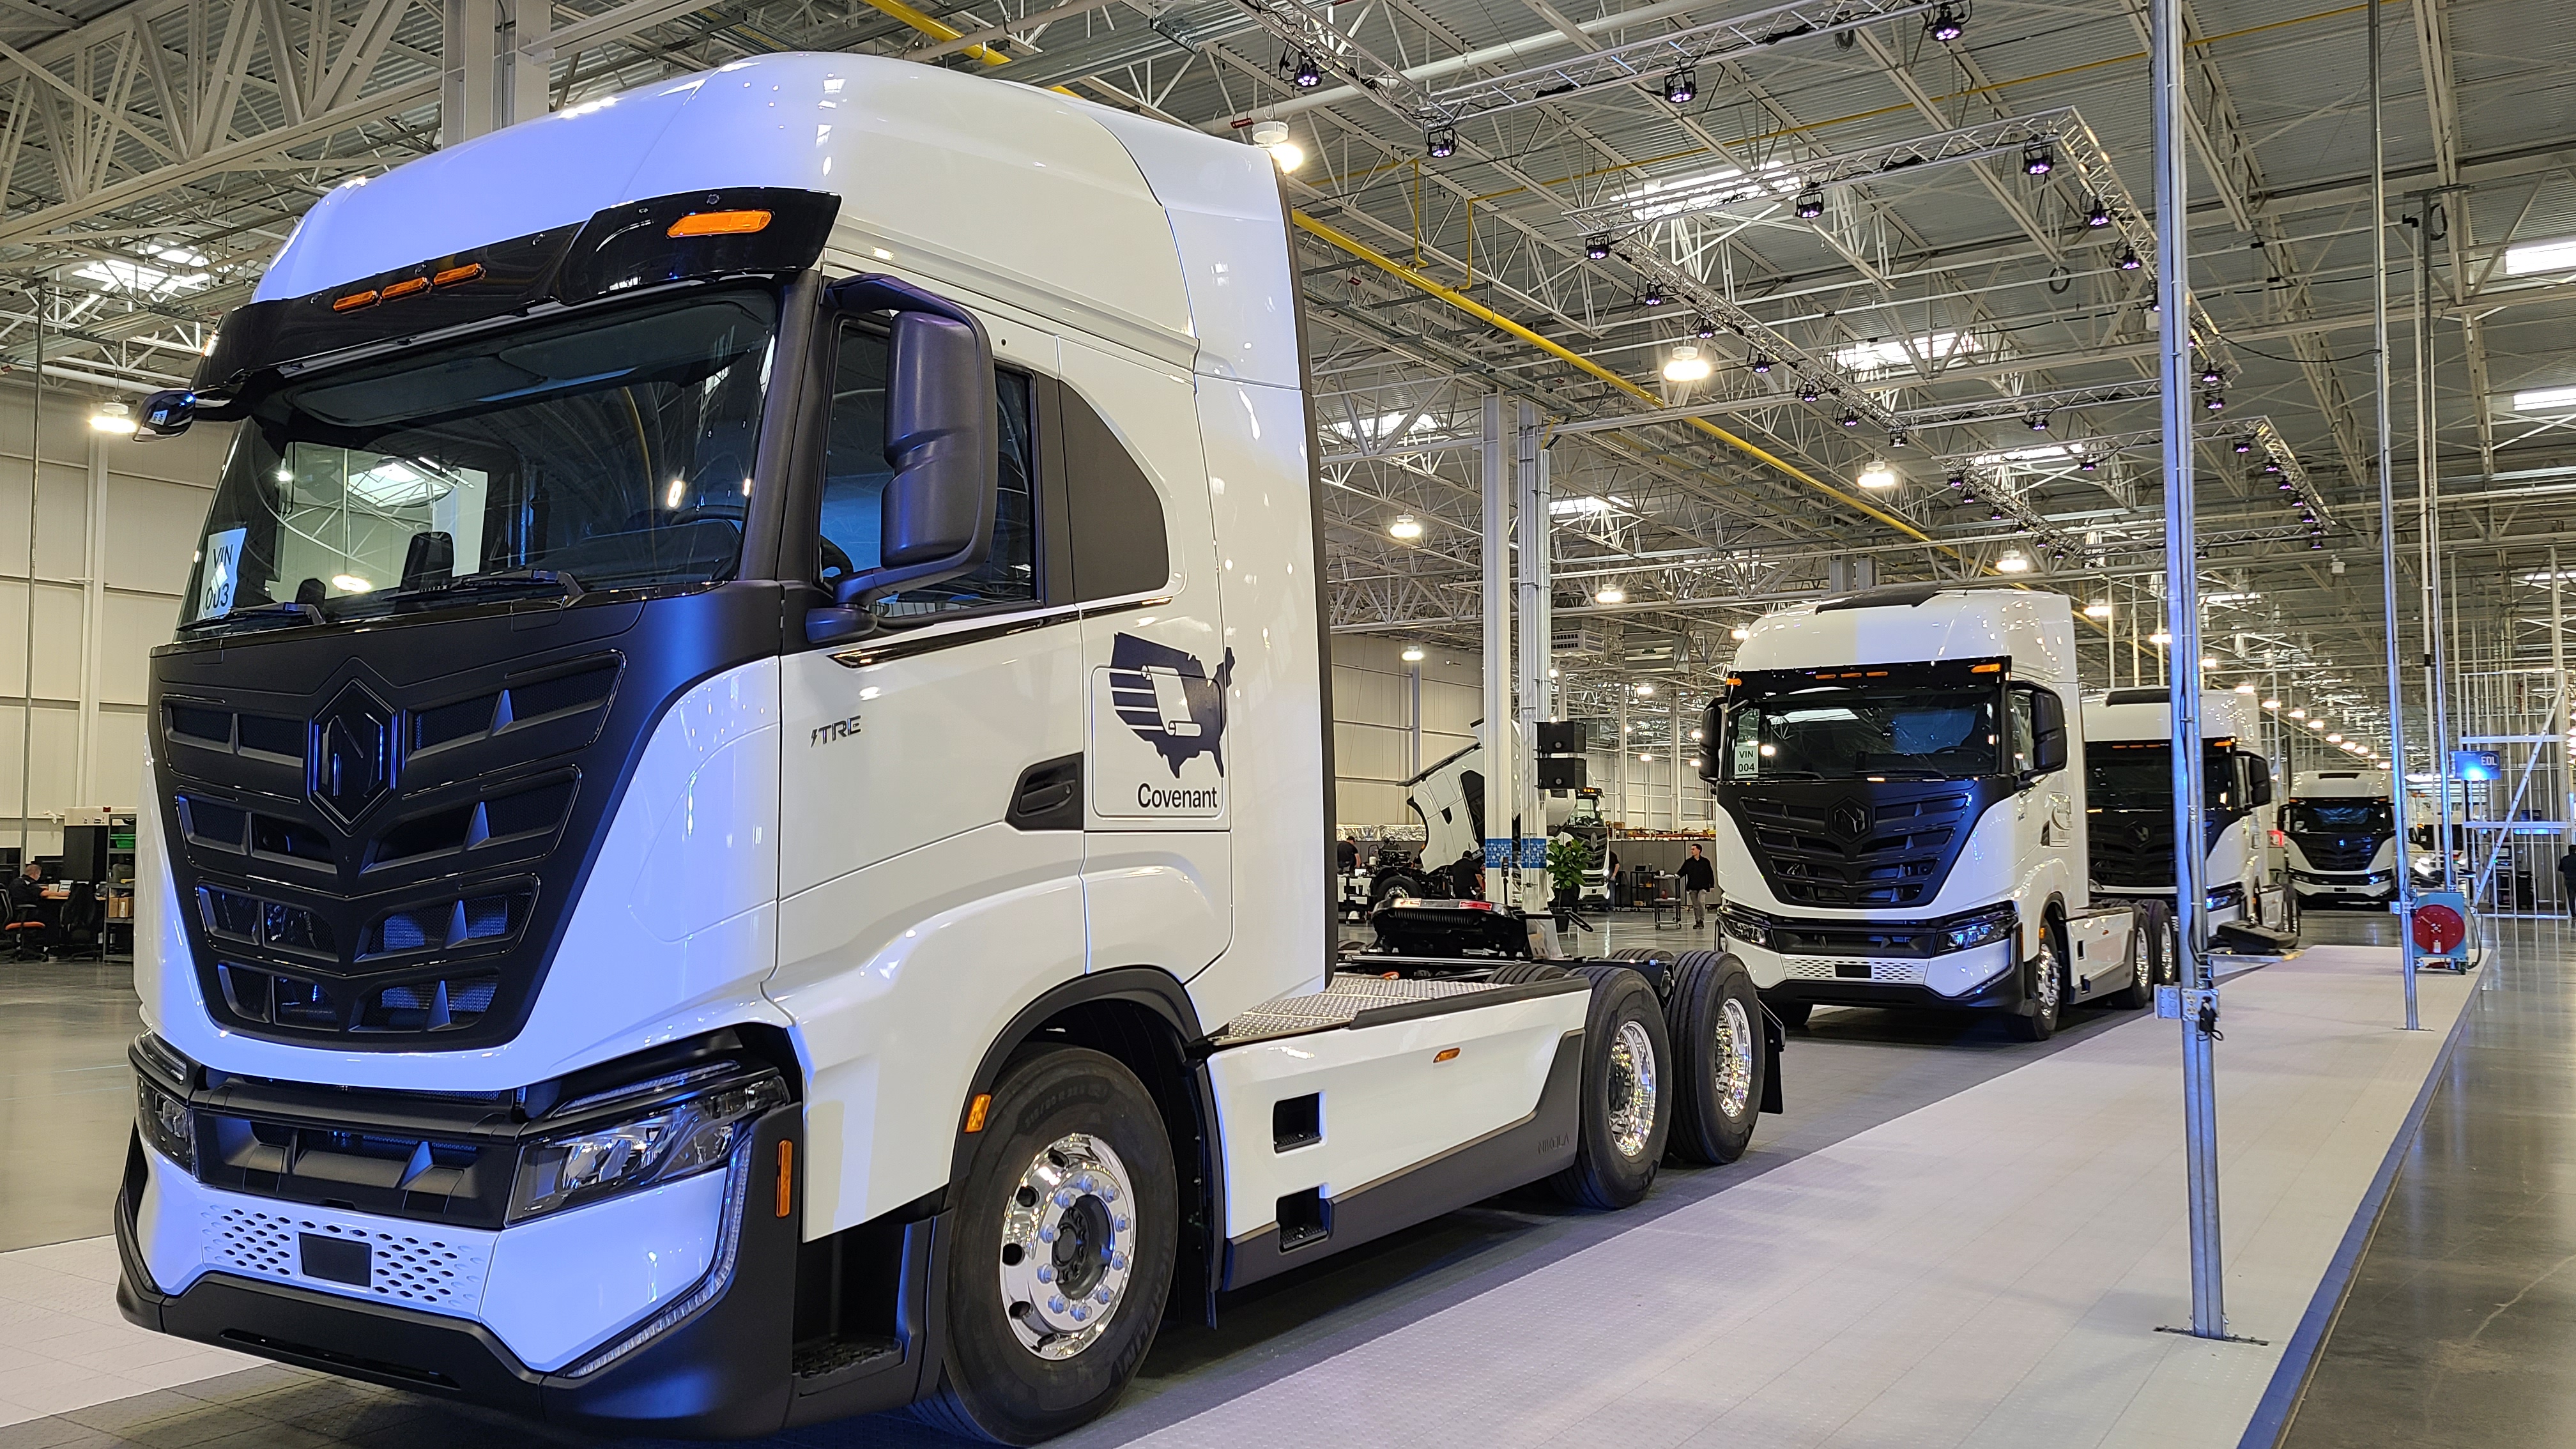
[
  {"x": 1534, "y": 853},
  {"x": 1498, "y": 852},
  {"x": 2476, "y": 764}
]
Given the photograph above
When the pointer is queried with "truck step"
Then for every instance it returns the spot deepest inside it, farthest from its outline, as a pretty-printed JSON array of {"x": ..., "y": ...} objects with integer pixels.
[{"x": 1346, "y": 996}]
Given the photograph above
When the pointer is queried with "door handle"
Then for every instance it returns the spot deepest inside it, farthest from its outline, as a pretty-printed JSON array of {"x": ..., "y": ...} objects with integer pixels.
[{"x": 1048, "y": 796}]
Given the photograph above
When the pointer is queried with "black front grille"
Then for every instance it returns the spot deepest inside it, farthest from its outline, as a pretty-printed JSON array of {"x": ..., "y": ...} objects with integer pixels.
[
  {"x": 1814, "y": 938},
  {"x": 382, "y": 829},
  {"x": 1856, "y": 843},
  {"x": 2339, "y": 852},
  {"x": 2135, "y": 847}
]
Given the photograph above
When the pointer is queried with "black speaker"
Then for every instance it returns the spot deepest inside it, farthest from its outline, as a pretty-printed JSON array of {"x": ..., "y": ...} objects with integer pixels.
[
  {"x": 1561, "y": 737},
  {"x": 1567, "y": 773},
  {"x": 84, "y": 852}
]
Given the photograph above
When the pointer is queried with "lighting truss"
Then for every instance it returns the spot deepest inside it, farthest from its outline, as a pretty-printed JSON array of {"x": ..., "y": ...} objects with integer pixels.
[
  {"x": 1786, "y": 356},
  {"x": 1310, "y": 30},
  {"x": 1764, "y": 189},
  {"x": 1649, "y": 60},
  {"x": 2025, "y": 404}
]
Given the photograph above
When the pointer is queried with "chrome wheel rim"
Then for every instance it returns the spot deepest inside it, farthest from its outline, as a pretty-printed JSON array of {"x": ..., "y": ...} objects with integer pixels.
[
  {"x": 2046, "y": 982},
  {"x": 1734, "y": 1058},
  {"x": 2146, "y": 972},
  {"x": 1632, "y": 1089},
  {"x": 1068, "y": 1243}
]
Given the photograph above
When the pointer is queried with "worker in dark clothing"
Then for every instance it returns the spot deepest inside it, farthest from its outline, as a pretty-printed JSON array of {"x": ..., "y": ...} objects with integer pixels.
[
  {"x": 1698, "y": 879},
  {"x": 1348, "y": 855},
  {"x": 27, "y": 888},
  {"x": 1467, "y": 876},
  {"x": 2567, "y": 880}
]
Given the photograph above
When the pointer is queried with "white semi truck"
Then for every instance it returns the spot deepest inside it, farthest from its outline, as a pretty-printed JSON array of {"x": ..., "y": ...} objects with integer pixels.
[
  {"x": 739, "y": 821},
  {"x": 2342, "y": 831},
  {"x": 2128, "y": 779},
  {"x": 1905, "y": 811}
]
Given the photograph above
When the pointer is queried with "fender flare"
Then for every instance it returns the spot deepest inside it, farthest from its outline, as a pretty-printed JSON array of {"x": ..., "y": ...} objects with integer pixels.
[{"x": 1151, "y": 987}]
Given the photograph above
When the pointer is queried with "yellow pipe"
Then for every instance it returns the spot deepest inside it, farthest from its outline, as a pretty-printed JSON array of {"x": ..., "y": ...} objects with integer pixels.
[
  {"x": 1490, "y": 317},
  {"x": 937, "y": 29}
]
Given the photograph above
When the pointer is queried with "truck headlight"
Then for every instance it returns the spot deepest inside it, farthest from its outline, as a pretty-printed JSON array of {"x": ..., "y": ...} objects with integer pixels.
[
  {"x": 676, "y": 1127},
  {"x": 1743, "y": 926},
  {"x": 161, "y": 1112},
  {"x": 1982, "y": 929}
]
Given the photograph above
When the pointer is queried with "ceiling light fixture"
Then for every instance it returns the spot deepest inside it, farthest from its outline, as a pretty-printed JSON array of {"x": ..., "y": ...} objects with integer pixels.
[
  {"x": 1681, "y": 87},
  {"x": 1811, "y": 204},
  {"x": 1944, "y": 26},
  {"x": 2037, "y": 161},
  {"x": 1610, "y": 594},
  {"x": 1739, "y": 633},
  {"x": 1703, "y": 329},
  {"x": 1685, "y": 364},
  {"x": 1412, "y": 653},
  {"x": 1442, "y": 143},
  {"x": 1307, "y": 75},
  {"x": 1405, "y": 526},
  {"x": 2012, "y": 562},
  {"x": 2129, "y": 260},
  {"x": 1597, "y": 248},
  {"x": 112, "y": 417},
  {"x": 1849, "y": 418},
  {"x": 2098, "y": 214},
  {"x": 2161, "y": 636},
  {"x": 2098, "y": 609},
  {"x": 1652, "y": 297},
  {"x": 1761, "y": 363},
  {"x": 1876, "y": 475},
  {"x": 1272, "y": 136}
]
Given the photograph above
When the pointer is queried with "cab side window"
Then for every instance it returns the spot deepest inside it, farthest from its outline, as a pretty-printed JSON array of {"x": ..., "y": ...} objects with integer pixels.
[
  {"x": 855, "y": 475},
  {"x": 2023, "y": 737}
]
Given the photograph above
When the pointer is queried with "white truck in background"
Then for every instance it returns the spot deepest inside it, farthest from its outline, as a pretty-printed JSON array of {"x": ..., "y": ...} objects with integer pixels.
[
  {"x": 739, "y": 815},
  {"x": 1899, "y": 772},
  {"x": 2341, "y": 826},
  {"x": 2128, "y": 779}
]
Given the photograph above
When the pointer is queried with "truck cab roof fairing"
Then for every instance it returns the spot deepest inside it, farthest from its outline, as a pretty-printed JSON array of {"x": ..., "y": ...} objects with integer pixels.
[
  {"x": 915, "y": 153},
  {"x": 2032, "y": 628}
]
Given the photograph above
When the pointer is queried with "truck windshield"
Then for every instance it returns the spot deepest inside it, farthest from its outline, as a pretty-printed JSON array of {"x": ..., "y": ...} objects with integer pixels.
[
  {"x": 2138, "y": 775},
  {"x": 1841, "y": 732},
  {"x": 2342, "y": 817},
  {"x": 611, "y": 450}
]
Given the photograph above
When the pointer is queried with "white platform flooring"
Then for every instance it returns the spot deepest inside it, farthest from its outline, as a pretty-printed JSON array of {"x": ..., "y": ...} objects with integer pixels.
[{"x": 1989, "y": 1270}]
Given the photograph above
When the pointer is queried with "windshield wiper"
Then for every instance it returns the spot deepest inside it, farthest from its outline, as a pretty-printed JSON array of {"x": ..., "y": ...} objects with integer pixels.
[
  {"x": 285, "y": 615},
  {"x": 498, "y": 581},
  {"x": 1906, "y": 772}
]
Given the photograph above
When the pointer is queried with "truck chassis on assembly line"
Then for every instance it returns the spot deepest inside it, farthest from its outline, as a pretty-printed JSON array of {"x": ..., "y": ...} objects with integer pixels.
[
  {"x": 1899, "y": 772},
  {"x": 740, "y": 812}
]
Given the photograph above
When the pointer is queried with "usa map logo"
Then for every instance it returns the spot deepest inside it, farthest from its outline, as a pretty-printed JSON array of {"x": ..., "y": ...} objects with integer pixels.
[{"x": 1166, "y": 697}]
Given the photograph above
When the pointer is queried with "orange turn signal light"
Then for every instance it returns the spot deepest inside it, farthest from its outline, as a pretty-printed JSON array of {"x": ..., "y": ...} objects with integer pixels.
[
  {"x": 355, "y": 300},
  {"x": 978, "y": 1110},
  {"x": 454, "y": 275},
  {"x": 1447, "y": 1054},
  {"x": 786, "y": 1175},
  {"x": 404, "y": 288},
  {"x": 718, "y": 223},
  {"x": 1985, "y": 669}
]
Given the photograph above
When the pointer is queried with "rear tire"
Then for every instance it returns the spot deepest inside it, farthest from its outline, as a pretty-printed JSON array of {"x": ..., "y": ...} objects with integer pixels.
[
  {"x": 1393, "y": 886},
  {"x": 1626, "y": 1107},
  {"x": 1522, "y": 973},
  {"x": 1653, "y": 964},
  {"x": 1720, "y": 1063},
  {"x": 1074, "y": 1157},
  {"x": 2141, "y": 990},
  {"x": 2047, "y": 988}
]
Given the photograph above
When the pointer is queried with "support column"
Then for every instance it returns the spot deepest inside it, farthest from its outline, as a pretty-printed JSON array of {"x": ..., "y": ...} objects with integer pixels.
[
  {"x": 93, "y": 630},
  {"x": 2182, "y": 621},
  {"x": 491, "y": 81},
  {"x": 1496, "y": 733},
  {"x": 1530, "y": 488},
  {"x": 2405, "y": 903}
]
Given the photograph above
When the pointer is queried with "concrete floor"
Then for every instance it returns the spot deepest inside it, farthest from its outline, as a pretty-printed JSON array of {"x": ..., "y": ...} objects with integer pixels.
[
  {"x": 2460, "y": 1318},
  {"x": 64, "y": 1100}
]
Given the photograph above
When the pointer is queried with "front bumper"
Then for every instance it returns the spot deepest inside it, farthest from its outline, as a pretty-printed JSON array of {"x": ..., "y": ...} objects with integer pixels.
[
  {"x": 2377, "y": 885},
  {"x": 1980, "y": 978},
  {"x": 725, "y": 1370}
]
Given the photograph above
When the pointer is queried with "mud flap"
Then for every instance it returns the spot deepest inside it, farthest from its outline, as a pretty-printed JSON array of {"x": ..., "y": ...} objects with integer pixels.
[{"x": 1775, "y": 1039}]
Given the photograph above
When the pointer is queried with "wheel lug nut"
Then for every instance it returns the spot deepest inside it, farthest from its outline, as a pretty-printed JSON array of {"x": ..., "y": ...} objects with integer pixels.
[
  {"x": 1102, "y": 1295},
  {"x": 1055, "y": 1305},
  {"x": 1117, "y": 1261},
  {"x": 1080, "y": 1313},
  {"x": 1064, "y": 1197},
  {"x": 1121, "y": 1225},
  {"x": 1109, "y": 1194},
  {"x": 1046, "y": 1235},
  {"x": 1046, "y": 1275}
]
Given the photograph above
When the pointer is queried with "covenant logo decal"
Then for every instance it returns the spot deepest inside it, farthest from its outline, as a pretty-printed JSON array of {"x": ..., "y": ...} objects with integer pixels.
[{"x": 1165, "y": 696}]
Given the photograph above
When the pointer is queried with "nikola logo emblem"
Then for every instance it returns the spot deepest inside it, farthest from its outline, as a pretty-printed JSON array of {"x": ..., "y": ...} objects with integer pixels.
[
  {"x": 839, "y": 729},
  {"x": 1166, "y": 697}
]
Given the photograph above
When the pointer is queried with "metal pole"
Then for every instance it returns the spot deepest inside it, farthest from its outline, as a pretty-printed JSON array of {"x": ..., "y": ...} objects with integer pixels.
[
  {"x": 2436, "y": 696},
  {"x": 35, "y": 469},
  {"x": 2182, "y": 620},
  {"x": 2558, "y": 706},
  {"x": 2405, "y": 903},
  {"x": 1497, "y": 729},
  {"x": 1530, "y": 489}
]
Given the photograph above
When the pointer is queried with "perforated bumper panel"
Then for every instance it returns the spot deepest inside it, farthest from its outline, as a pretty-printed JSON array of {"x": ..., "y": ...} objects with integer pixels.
[
  {"x": 421, "y": 1269},
  {"x": 1891, "y": 973}
]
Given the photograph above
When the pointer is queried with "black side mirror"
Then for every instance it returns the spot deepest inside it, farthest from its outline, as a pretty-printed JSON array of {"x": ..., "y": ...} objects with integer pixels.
[
  {"x": 2048, "y": 728},
  {"x": 941, "y": 439},
  {"x": 2258, "y": 781},
  {"x": 166, "y": 414},
  {"x": 429, "y": 558}
]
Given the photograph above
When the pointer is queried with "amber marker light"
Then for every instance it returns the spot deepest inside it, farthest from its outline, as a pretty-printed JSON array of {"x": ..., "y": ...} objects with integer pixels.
[
  {"x": 719, "y": 223},
  {"x": 454, "y": 275},
  {"x": 355, "y": 300}
]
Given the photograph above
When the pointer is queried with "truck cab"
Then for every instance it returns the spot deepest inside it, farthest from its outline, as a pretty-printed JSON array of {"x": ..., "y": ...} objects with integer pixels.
[
  {"x": 1905, "y": 816},
  {"x": 739, "y": 822},
  {"x": 2341, "y": 826},
  {"x": 2128, "y": 769}
]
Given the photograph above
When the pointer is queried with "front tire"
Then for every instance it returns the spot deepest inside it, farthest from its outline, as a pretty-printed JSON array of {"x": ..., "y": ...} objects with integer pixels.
[
  {"x": 2047, "y": 988},
  {"x": 1067, "y": 1226},
  {"x": 1715, "y": 1021},
  {"x": 1626, "y": 1107}
]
